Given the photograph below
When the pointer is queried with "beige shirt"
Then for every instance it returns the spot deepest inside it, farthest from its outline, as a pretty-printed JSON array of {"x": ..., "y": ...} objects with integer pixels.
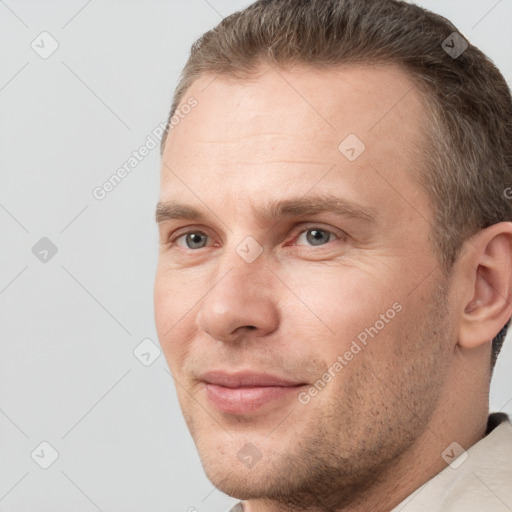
[
  {"x": 478, "y": 480},
  {"x": 482, "y": 482}
]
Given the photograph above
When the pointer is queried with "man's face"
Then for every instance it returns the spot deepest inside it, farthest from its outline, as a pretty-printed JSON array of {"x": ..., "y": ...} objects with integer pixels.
[{"x": 248, "y": 297}]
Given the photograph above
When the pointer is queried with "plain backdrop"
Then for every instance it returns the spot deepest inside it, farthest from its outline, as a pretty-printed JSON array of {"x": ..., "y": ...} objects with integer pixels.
[{"x": 76, "y": 272}]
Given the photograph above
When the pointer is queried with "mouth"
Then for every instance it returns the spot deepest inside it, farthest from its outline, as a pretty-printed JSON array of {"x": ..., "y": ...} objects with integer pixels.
[{"x": 246, "y": 392}]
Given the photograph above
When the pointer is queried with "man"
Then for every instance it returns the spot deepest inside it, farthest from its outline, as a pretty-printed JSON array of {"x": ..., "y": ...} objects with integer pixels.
[{"x": 335, "y": 266}]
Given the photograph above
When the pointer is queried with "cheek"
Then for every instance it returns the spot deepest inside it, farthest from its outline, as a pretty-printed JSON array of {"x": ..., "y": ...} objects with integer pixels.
[
  {"x": 172, "y": 316},
  {"x": 348, "y": 316},
  {"x": 341, "y": 301},
  {"x": 162, "y": 302},
  {"x": 175, "y": 294}
]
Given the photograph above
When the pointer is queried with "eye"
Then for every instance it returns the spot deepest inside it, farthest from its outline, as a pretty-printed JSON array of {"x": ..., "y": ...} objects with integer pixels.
[
  {"x": 315, "y": 236},
  {"x": 312, "y": 236},
  {"x": 192, "y": 240}
]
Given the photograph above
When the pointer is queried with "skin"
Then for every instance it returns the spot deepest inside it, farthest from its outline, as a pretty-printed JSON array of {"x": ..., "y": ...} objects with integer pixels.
[{"x": 377, "y": 430}]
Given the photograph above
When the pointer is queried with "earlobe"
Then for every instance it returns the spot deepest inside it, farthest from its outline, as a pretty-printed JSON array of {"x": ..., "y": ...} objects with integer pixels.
[{"x": 488, "y": 263}]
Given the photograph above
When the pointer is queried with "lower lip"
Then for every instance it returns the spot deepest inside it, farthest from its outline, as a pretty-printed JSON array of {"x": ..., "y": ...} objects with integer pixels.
[{"x": 246, "y": 400}]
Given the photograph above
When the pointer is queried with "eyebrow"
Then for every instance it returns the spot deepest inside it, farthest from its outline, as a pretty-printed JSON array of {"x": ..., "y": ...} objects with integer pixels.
[{"x": 293, "y": 207}]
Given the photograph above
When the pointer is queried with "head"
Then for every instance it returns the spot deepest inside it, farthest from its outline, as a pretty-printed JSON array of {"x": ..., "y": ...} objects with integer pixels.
[{"x": 351, "y": 120}]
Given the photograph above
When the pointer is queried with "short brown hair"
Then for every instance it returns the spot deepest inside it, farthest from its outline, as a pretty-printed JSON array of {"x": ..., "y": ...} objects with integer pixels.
[{"x": 468, "y": 156}]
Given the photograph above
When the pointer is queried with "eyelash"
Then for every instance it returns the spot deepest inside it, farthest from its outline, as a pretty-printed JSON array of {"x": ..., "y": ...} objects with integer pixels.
[{"x": 312, "y": 227}]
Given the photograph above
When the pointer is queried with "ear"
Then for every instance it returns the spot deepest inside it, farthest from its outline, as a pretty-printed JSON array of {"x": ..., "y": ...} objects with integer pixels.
[{"x": 487, "y": 294}]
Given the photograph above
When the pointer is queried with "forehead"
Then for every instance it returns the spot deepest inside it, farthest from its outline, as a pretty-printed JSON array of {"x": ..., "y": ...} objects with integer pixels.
[
  {"x": 329, "y": 103},
  {"x": 287, "y": 127}
]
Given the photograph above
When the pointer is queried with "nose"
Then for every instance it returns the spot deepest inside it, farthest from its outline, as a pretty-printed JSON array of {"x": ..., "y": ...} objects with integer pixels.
[{"x": 240, "y": 303}]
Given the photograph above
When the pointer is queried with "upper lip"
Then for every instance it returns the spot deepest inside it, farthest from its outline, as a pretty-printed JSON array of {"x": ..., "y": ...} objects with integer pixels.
[{"x": 246, "y": 379}]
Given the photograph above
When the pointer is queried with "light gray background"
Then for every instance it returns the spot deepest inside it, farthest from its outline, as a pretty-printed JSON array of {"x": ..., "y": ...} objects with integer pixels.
[{"x": 69, "y": 326}]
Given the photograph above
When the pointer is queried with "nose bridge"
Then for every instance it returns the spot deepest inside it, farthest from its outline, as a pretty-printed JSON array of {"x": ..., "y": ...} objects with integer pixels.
[
  {"x": 242, "y": 269},
  {"x": 239, "y": 296}
]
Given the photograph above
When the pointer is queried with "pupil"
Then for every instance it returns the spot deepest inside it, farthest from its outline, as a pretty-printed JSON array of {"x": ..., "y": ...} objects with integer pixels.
[
  {"x": 316, "y": 237},
  {"x": 194, "y": 239}
]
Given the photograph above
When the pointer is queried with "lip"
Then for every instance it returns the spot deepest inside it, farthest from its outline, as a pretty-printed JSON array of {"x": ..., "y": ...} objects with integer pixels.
[
  {"x": 245, "y": 392},
  {"x": 246, "y": 379}
]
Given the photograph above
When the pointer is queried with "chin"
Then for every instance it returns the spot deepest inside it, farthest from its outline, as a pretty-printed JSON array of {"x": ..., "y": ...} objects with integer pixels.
[
  {"x": 229, "y": 474},
  {"x": 243, "y": 485}
]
